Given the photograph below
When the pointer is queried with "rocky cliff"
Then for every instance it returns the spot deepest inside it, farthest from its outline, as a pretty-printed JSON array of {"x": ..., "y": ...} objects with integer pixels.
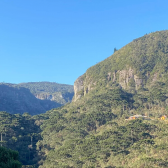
[
  {"x": 126, "y": 78},
  {"x": 137, "y": 65}
]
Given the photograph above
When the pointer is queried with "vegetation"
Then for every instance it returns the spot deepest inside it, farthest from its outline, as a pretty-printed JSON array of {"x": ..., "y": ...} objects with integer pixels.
[
  {"x": 21, "y": 133},
  {"x": 94, "y": 131},
  {"x": 22, "y": 97},
  {"x": 50, "y": 87},
  {"x": 144, "y": 55},
  {"x": 9, "y": 158},
  {"x": 115, "y": 49},
  {"x": 60, "y": 93}
]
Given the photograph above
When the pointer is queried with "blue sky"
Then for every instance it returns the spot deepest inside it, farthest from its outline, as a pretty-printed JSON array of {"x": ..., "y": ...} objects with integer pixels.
[{"x": 58, "y": 40}]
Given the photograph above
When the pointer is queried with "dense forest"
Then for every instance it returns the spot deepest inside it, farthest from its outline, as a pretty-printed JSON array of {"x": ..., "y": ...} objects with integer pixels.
[
  {"x": 94, "y": 133},
  {"x": 96, "y": 129}
]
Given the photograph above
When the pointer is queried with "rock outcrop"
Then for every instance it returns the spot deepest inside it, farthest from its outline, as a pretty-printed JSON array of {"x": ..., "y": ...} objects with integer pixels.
[
  {"x": 126, "y": 78},
  {"x": 139, "y": 64},
  {"x": 78, "y": 88}
]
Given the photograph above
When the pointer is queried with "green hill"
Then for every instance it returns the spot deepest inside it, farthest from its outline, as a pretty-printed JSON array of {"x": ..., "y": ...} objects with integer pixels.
[
  {"x": 92, "y": 130},
  {"x": 137, "y": 65}
]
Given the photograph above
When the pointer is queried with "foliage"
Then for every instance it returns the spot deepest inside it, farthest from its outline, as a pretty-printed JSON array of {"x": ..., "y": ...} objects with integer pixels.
[
  {"x": 50, "y": 87},
  {"x": 145, "y": 55},
  {"x": 95, "y": 131},
  {"x": 20, "y": 133},
  {"x": 9, "y": 158},
  {"x": 61, "y": 93}
]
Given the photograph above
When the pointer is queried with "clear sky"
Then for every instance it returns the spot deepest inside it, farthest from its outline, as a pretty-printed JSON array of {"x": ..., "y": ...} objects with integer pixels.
[{"x": 58, "y": 40}]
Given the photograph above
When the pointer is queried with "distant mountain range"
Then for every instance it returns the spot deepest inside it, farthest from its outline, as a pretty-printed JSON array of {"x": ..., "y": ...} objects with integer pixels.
[{"x": 34, "y": 97}]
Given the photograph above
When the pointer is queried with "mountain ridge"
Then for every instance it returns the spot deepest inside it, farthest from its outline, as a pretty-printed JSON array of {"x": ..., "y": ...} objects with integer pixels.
[
  {"x": 27, "y": 97},
  {"x": 123, "y": 67}
]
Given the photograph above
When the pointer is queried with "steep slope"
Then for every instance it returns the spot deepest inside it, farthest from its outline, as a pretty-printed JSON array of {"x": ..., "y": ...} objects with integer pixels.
[
  {"x": 92, "y": 130},
  {"x": 136, "y": 65}
]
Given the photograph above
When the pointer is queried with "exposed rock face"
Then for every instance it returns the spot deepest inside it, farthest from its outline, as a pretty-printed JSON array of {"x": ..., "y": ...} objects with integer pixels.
[
  {"x": 48, "y": 96},
  {"x": 114, "y": 76},
  {"x": 126, "y": 78},
  {"x": 139, "y": 64},
  {"x": 109, "y": 76},
  {"x": 78, "y": 88},
  {"x": 138, "y": 82},
  {"x": 58, "y": 97},
  {"x": 82, "y": 86},
  {"x": 44, "y": 96},
  {"x": 87, "y": 88}
]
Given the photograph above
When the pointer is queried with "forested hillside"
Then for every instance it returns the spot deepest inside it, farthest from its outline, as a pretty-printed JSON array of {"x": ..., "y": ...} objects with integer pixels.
[
  {"x": 137, "y": 65},
  {"x": 93, "y": 131},
  {"x": 21, "y": 133},
  {"x": 96, "y": 129},
  {"x": 59, "y": 93}
]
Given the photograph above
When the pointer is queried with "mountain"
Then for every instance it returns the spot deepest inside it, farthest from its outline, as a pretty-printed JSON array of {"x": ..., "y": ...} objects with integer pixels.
[
  {"x": 59, "y": 93},
  {"x": 117, "y": 118},
  {"x": 94, "y": 130},
  {"x": 35, "y": 98},
  {"x": 137, "y": 65}
]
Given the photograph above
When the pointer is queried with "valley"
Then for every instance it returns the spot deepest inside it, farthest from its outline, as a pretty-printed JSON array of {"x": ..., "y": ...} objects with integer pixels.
[{"x": 34, "y": 97}]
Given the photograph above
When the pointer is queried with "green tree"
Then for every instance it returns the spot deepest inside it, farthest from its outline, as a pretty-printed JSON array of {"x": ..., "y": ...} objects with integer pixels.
[
  {"x": 9, "y": 158},
  {"x": 115, "y": 49}
]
